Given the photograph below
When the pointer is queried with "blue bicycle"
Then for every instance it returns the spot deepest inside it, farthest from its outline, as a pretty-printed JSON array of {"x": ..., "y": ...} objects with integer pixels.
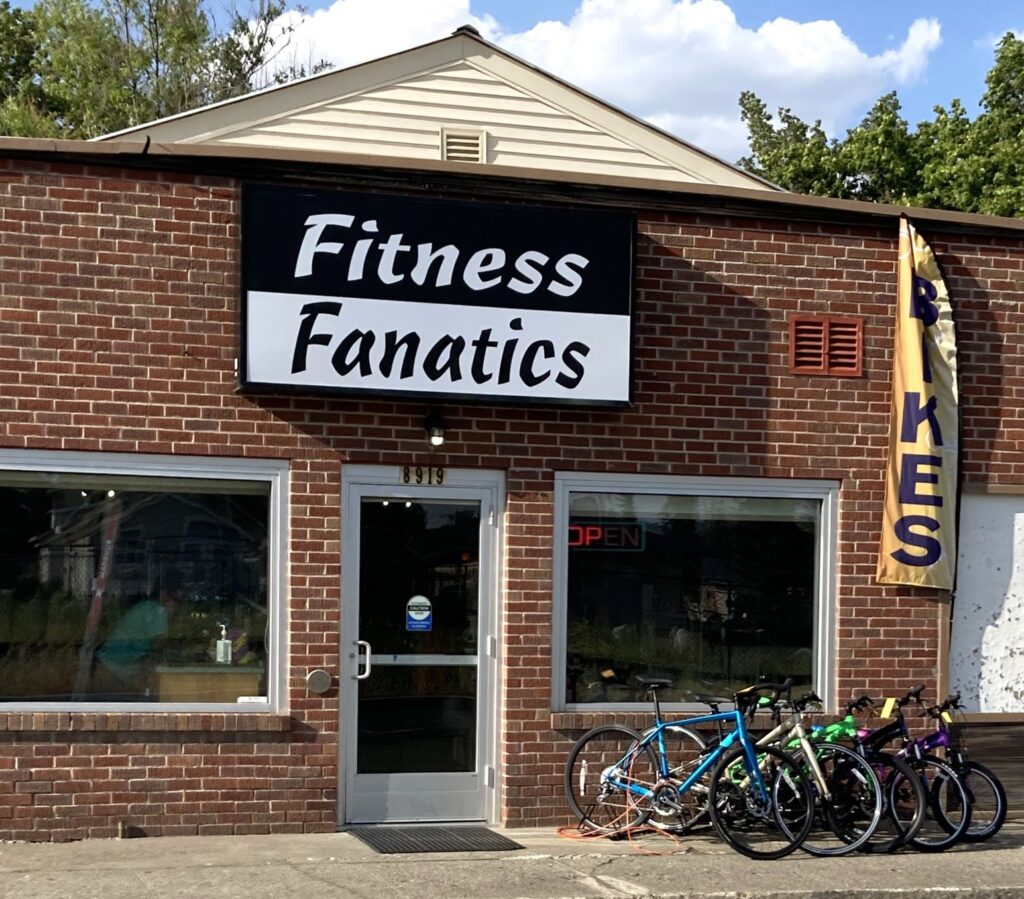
[{"x": 758, "y": 797}]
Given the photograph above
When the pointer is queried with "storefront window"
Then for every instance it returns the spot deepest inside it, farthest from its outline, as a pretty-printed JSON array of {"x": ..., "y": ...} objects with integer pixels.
[
  {"x": 710, "y": 591},
  {"x": 119, "y": 589}
]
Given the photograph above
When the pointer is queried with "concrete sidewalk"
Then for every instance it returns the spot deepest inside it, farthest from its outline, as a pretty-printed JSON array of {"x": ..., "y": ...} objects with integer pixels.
[{"x": 549, "y": 867}]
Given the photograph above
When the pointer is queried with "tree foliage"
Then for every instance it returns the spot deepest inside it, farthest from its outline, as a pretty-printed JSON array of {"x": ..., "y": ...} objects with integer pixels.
[
  {"x": 77, "y": 69},
  {"x": 952, "y": 161}
]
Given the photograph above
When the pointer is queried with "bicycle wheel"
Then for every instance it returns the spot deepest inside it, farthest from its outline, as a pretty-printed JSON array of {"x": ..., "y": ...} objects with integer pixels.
[
  {"x": 671, "y": 809},
  {"x": 848, "y": 816},
  {"x": 987, "y": 798},
  {"x": 755, "y": 825},
  {"x": 949, "y": 811},
  {"x": 905, "y": 800},
  {"x": 601, "y": 767}
]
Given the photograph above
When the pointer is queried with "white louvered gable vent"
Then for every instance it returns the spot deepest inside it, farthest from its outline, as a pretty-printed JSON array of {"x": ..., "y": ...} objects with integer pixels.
[{"x": 463, "y": 146}]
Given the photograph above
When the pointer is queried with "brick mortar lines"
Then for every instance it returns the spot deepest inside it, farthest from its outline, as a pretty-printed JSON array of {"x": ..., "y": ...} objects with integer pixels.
[{"x": 143, "y": 363}]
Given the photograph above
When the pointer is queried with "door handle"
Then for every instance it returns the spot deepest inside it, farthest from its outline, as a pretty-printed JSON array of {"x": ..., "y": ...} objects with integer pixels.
[{"x": 366, "y": 670}]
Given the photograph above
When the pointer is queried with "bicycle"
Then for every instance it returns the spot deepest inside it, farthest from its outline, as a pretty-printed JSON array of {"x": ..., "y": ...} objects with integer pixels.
[
  {"x": 848, "y": 795},
  {"x": 985, "y": 792},
  {"x": 616, "y": 779},
  {"x": 903, "y": 793},
  {"x": 947, "y": 800}
]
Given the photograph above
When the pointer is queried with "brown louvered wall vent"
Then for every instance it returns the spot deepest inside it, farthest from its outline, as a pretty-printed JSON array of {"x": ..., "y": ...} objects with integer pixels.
[{"x": 825, "y": 345}]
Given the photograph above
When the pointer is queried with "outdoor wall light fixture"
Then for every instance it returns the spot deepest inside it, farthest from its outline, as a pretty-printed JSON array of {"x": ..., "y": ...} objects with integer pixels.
[{"x": 434, "y": 425}]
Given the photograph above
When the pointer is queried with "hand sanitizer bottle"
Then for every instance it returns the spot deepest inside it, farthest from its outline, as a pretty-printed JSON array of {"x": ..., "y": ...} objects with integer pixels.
[{"x": 223, "y": 647}]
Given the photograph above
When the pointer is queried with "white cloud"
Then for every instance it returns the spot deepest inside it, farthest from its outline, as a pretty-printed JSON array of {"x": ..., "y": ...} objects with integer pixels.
[
  {"x": 991, "y": 41},
  {"x": 353, "y": 31},
  {"x": 680, "y": 64}
]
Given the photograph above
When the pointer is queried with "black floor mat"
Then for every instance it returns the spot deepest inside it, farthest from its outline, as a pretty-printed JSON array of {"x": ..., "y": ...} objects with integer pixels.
[{"x": 388, "y": 839}]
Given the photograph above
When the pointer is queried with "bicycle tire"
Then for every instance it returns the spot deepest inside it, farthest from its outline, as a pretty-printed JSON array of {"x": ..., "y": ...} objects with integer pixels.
[
  {"x": 599, "y": 805},
  {"x": 845, "y": 821},
  {"x": 737, "y": 810},
  {"x": 949, "y": 809},
  {"x": 672, "y": 810},
  {"x": 987, "y": 796},
  {"x": 906, "y": 803}
]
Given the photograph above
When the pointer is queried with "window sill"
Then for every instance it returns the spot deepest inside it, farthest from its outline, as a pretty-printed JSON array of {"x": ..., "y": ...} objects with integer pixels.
[
  {"x": 561, "y": 721},
  {"x": 565, "y": 721},
  {"x": 133, "y": 722}
]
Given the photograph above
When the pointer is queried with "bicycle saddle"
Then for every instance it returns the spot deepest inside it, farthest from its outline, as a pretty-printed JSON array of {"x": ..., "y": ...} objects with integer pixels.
[{"x": 653, "y": 683}]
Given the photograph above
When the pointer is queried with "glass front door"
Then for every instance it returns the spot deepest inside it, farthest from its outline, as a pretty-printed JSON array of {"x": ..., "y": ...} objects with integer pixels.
[{"x": 418, "y": 679}]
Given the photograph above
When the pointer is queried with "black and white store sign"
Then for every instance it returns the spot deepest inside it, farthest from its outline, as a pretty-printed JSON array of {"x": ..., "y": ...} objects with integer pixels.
[{"x": 370, "y": 293}]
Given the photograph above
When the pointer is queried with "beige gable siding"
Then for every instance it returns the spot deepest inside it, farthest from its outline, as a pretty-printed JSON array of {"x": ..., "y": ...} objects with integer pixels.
[
  {"x": 397, "y": 106},
  {"x": 405, "y": 120}
]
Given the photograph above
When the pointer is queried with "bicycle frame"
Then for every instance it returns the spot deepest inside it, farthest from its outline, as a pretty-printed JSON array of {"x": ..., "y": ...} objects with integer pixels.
[
  {"x": 791, "y": 730},
  {"x": 937, "y": 740},
  {"x": 657, "y": 733}
]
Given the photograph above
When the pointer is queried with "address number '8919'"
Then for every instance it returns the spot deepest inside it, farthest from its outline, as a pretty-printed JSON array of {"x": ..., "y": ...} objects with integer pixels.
[{"x": 421, "y": 474}]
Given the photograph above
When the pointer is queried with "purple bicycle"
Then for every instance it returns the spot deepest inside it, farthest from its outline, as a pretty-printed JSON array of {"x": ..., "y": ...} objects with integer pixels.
[
  {"x": 984, "y": 791},
  {"x": 948, "y": 802}
]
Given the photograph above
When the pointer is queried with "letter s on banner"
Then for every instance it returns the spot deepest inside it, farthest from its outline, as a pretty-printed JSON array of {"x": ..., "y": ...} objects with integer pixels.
[{"x": 918, "y": 544}]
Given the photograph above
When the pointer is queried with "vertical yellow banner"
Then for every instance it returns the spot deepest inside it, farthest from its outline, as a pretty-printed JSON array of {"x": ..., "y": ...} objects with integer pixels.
[{"x": 918, "y": 545}]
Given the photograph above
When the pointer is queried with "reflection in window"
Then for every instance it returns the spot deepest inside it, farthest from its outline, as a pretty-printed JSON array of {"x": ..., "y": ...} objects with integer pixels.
[
  {"x": 120, "y": 589},
  {"x": 712, "y": 592}
]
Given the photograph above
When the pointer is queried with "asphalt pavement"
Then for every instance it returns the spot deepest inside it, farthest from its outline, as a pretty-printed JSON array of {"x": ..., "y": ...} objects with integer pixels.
[{"x": 550, "y": 866}]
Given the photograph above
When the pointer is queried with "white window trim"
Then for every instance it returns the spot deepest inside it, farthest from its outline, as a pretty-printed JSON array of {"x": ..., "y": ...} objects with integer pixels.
[
  {"x": 777, "y": 488},
  {"x": 271, "y": 471}
]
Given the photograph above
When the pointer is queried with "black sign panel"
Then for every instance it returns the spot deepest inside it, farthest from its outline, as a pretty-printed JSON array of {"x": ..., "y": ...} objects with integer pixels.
[{"x": 375, "y": 293}]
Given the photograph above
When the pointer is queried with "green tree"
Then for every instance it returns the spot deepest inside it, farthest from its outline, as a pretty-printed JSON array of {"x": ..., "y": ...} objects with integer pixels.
[
  {"x": 998, "y": 133},
  {"x": 877, "y": 160},
  {"x": 16, "y": 48},
  {"x": 951, "y": 162},
  {"x": 78, "y": 63},
  {"x": 163, "y": 54},
  {"x": 795, "y": 155},
  {"x": 75, "y": 69},
  {"x": 22, "y": 102},
  {"x": 951, "y": 165}
]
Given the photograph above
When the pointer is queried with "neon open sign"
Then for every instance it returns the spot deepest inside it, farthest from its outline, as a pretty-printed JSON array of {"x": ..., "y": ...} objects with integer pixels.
[{"x": 620, "y": 536}]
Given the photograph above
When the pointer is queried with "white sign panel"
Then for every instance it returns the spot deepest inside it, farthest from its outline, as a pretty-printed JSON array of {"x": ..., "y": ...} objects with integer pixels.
[{"x": 361, "y": 293}]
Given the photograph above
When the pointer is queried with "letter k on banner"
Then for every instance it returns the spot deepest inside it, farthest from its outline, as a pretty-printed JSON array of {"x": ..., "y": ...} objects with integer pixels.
[{"x": 918, "y": 545}]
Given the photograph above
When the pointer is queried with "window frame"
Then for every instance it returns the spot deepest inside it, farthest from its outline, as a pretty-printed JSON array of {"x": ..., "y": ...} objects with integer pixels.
[
  {"x": 272, "y": 472},
  {"x": 826, "y": 491}
]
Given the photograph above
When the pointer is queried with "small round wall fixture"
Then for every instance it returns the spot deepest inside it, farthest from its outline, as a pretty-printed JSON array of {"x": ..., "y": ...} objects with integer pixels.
[
  {"x": 319, "y": 681},
  {"x": 434, "y": 426}
]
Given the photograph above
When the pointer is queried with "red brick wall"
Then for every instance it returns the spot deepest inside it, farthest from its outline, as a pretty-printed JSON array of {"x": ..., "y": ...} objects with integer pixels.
[{"x": 118, "y": 305}]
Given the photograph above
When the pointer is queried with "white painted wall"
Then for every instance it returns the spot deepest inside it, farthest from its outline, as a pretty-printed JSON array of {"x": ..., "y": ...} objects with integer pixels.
[{"x": 987, "y": 649}]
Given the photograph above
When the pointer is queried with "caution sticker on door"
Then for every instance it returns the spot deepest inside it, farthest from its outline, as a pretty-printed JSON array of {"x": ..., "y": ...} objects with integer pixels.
[{"x": 419, "y": 614}]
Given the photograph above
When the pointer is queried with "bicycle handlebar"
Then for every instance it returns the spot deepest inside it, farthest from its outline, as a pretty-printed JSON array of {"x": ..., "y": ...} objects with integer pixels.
[
  {"x": 861, "y": 702},
  {"x": 864, "y": 701},
  {"x": 950, "y": 702},
  {"x": 806, "y": 700},
  {"x": 912, "y": 696}
]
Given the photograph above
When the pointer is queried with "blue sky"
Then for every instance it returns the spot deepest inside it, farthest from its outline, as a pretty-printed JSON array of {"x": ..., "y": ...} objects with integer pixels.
[
  {"x": 681, "y": 64},
  {"x": 956, "y": 69}
]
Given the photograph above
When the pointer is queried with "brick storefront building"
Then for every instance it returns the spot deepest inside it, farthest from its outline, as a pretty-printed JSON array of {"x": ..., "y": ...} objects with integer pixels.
[{"x": 721, "y": 525}]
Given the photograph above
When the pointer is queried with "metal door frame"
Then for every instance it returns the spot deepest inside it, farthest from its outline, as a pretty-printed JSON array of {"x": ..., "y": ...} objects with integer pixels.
[{"x": 384, "y": 480}]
